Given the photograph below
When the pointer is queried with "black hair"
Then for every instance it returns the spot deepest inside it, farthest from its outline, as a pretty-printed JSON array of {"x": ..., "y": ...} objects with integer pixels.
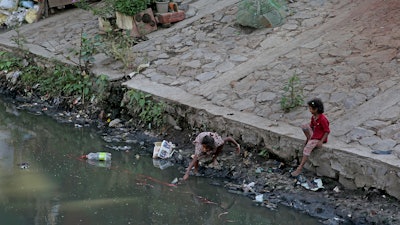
[
  {"x": 316, "y": 103},
  {"x": 208, "y": 141}
]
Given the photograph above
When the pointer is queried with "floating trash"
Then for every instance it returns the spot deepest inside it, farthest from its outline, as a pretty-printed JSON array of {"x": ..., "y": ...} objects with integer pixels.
[
  {"x": 259, "y": 170},
  {"x": 97, "y": 163},
  {"x": 100, "y": 156},
  {"x": 336, "y": 189},
  {"x": 174, "y": 181},
  {"x": 23, "y": 165},
  {"x": 313, "y": 185},
  {"x": 260, "y": 198},
  {"x": 162, "y": 164},
  {"x": 248, "y": 187},
  {"x": 163, "y": 149}
]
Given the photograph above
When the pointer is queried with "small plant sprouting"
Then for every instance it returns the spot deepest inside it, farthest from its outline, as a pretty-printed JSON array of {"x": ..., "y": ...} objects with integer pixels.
[
  {"x": 293, "y": 94},
  {"x": 264, "y": 153},
  {"x": 19, "y": 39},
  {"x": 149, "y": 111},
  {"x": 85, "y": 52},
  {"x": 119, "y": 46},
  {"x": 8, "y": 61}
]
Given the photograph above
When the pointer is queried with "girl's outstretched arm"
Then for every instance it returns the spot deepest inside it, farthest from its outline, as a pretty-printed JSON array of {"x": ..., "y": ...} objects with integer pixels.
[
  {"x": 230, "y": 139},
  {"x": 191, "y": 164}
]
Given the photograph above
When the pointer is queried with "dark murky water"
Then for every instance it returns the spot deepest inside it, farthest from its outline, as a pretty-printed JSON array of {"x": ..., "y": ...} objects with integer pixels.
[{"x": 59, "y": 188}]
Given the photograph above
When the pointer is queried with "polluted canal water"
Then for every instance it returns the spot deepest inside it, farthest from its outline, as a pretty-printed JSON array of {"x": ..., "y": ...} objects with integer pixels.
[{"x": 44, "y": 180}]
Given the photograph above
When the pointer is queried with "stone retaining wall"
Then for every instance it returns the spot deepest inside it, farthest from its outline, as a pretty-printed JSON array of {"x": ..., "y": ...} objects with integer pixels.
[{"x": 351, "y": 170}]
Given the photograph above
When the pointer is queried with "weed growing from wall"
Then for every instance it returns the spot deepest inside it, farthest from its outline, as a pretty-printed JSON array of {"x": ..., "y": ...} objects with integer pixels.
[
  {"x": 293, "y": 94},
  {"x": 19, "y": 39},
  {"x": 118, "y": 45},
  {"x": 8, "y": 61},
  {"x": 85, "y": 52},
  {"x": 264, "y": 153},
  {"x": 148, "y": 110}
]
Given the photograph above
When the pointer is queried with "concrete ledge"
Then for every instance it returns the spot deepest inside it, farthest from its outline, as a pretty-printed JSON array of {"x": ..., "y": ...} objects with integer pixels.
[{"x": 354, "y": 167}]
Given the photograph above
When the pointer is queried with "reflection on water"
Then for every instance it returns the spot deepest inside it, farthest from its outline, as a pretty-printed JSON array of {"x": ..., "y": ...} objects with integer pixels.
[{"x": 57, "y": 187}]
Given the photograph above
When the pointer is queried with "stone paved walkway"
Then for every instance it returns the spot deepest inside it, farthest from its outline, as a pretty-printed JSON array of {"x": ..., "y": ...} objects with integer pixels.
[{"x": 344, "y": 52}]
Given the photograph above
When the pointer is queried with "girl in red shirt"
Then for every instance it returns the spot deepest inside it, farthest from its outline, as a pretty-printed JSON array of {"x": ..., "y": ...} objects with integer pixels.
[{"x": 316, "y": 132}]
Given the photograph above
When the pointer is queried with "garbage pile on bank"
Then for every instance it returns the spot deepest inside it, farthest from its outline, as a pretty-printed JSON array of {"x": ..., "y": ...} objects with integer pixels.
[{"x": 16, "y": 12}]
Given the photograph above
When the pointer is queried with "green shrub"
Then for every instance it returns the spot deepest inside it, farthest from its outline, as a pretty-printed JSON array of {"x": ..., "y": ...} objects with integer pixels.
[
  {"x": 56, "y": 81},
  {"x": 9, "y": 61}
]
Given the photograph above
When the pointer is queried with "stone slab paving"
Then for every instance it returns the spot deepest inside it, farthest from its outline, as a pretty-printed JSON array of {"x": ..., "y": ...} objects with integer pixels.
[{"x": 344, "y": 52}]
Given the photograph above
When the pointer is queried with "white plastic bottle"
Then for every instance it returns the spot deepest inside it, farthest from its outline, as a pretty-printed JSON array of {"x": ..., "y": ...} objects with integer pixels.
[{"x": 101, "y": 156}]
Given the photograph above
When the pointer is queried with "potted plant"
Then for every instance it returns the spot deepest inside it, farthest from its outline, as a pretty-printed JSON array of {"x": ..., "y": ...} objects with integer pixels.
[
  {"x": 127, "y": 9},
  {"x": 162, "y": 6},
  {"x": 131, "y": 8}
]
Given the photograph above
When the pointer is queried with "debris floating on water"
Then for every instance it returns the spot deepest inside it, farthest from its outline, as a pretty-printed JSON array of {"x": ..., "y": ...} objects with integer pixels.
[
  {"x": 23, "y": 165},
  {"x": 174, "y": 181}
]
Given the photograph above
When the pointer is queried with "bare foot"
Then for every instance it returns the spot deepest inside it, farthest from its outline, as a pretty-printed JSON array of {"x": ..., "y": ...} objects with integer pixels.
[
  {"x": 215, "y": 165},
  {"x": 295, "y": 173}
]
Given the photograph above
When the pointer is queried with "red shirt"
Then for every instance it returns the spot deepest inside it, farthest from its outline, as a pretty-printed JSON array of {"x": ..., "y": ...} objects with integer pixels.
[{"x": 319, "y": 126}]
